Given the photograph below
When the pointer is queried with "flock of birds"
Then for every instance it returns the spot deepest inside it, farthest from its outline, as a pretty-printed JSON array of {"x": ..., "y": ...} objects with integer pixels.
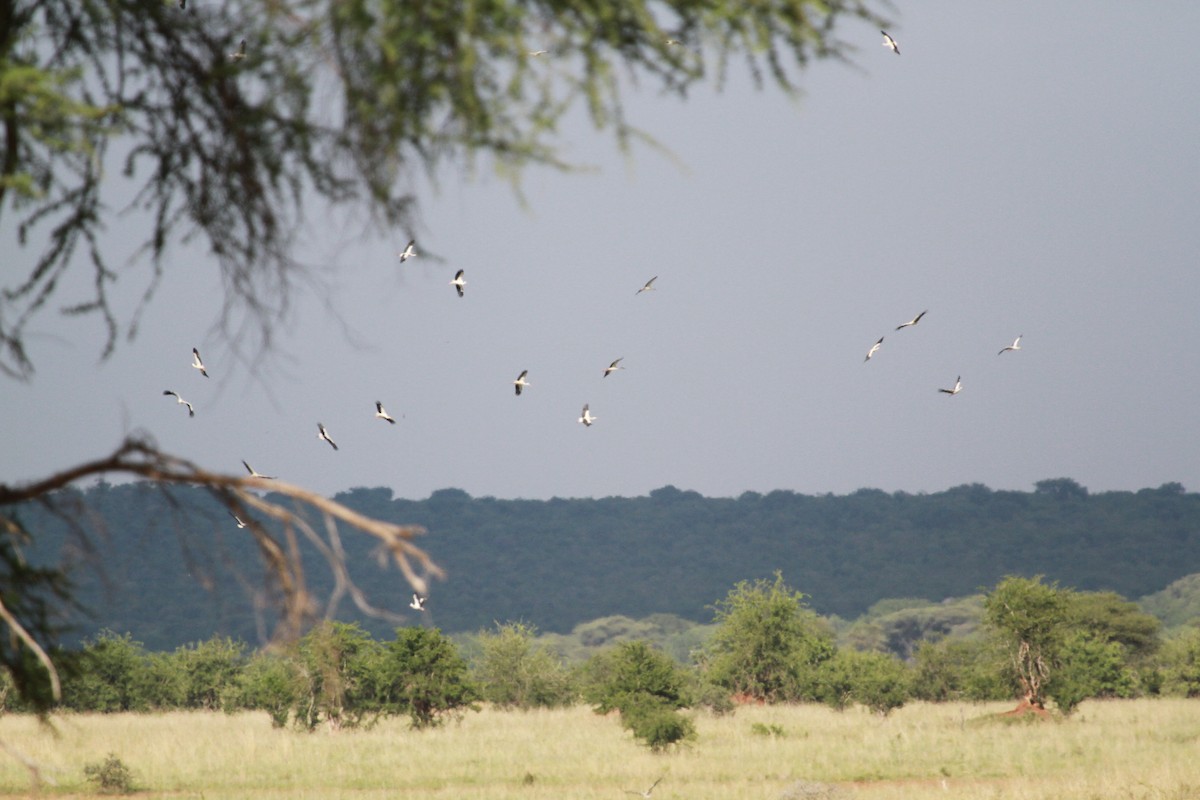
[
  {"x": 522, "y": 383},
  {"x": 1016, "y": 345}
]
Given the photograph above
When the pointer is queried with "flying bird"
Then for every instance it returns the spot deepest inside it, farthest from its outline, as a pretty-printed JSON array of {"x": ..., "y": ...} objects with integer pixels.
[
  {"x": 913, "y": 321},
  {"x": 672, "y": 42},
  {"x": 181, "y": 401},
  {"x": 536, "y": 53},
  {"x": 520, "y": 383},
  {"x": 459, "y": 282},
  {"x": 240, "y": 53},
  {"x": 1016, "y": 345},
  {"x": 587, "y": 419},
  {"x": 418, "y": 602},
  {"x": 890, "y": 43},
  {"x": 408, "y": 251},
  {"x": 254, "y": 474},
  {"x": 649, "y": 287},
  {"x": 957, "y": 387},
  {"x": 197, "y": 363},
  {"x": 645, "y": 794},
  {"x": 241, "y": 523},
  {"x": 874, "y": 348},
  {"x": 613, "y": 366},
  {"x": 322, "y": 434},
  {"x": 379, "y": 412}
]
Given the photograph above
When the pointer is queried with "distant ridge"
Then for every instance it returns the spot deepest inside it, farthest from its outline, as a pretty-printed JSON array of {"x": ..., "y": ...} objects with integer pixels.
[{"x": 557, "y": 563}]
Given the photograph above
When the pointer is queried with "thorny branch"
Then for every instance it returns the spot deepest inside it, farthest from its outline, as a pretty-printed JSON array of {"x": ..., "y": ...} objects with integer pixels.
[{"x": 140, "y": 458}]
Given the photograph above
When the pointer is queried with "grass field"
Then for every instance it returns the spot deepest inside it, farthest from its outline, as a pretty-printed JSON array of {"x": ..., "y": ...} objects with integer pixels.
[{"x": 1137, "y": 749}]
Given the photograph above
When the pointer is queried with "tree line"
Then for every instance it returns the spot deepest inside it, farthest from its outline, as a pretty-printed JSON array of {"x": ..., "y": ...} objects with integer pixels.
[
  {"x": 1038, "y": 643},
  {"x": 176, "y": 568}
]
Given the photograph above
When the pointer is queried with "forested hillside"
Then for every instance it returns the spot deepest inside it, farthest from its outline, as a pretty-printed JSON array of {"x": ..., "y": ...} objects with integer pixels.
[{"x": 175, "y": 567}]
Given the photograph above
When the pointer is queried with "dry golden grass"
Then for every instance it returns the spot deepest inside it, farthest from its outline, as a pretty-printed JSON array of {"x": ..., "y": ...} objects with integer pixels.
[{"x": 1135, "y": 750}]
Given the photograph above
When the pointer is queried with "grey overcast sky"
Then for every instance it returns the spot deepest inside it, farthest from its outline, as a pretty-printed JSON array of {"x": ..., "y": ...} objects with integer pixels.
[{"x": 1022, "y": 168}]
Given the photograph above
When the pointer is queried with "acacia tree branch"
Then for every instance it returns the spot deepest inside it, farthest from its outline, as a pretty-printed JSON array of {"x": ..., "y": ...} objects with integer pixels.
[{"x": 282, "y": 558}]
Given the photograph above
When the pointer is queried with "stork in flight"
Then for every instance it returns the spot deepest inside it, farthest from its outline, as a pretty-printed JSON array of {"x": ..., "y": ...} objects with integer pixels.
[
  {"x": 613, "y": 366},
  {"x": 912, "y": 321},
  {"x": 383, "y": 415},
  {"x": 418, "y": 602},
  {"x": 587, "y": 419},
  {"x": 890, "y": 43},
  {"x": 646, "y": 794},
  {"x": 408, "y": 251},
  {"x": 1016, "y": 345},
  {"x": 957, "y": 387},
  {"x": 240, "y": 53},
  {"x": 254, "y": 474},
  {"x": 874, "y": 349},
  {"x": 520, "y": 383},
  {"x": 197, "y": 363},
  {"x": 322, "y": 434},
  {"x": 459, "y": 282},
  {"x": 649, "y": 287},
  {"x": 181, "y": 401}
]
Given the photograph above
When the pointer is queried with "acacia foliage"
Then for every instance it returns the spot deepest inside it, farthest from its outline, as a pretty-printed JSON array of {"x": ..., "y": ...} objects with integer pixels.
[
  {"x": 237, "y": 117},
  {"x": 767, "y": 643},
  {"x": 1067, "y": 645},
  {"x": 515, "y": 671}
]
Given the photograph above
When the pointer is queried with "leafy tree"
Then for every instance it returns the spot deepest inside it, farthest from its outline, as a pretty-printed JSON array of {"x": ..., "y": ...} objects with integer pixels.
[
  {"x": 269, "y": 682},
  {"x": 515, "y": 672},
  {"x": 767, "y": 642},
  {"x": 231, "y": 152},
  {"x": 1108, "y": 617},
  {"x": 879, "y": 681},
  {"x": 1027, "y": 615},
  {"x": 1180, "y": 664},
  {"x": 646, "y": 686},
  {"x": 208, "y": 670},
  {"x": 962, "y": 669},
  {"x": 422, "y": 674},
  {"x": 336, "y": 661},
  {"x": 609, "y": 679},
  {"x": 1090, "y": 667},
  {"x": 110, "y": 676}
]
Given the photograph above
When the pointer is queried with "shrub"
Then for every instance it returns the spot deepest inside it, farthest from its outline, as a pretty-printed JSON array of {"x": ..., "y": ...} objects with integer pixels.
[
  {"x": 513, "y": 672},
  {"x": 111, "y": 776},
  {"x": 423, "y": 675},
  {"x": 656, "y": 723},
  {"x": 270, "y": 683},
  {"x": 767, "y": 644},
  {"x": 759, "y": 729},
  {"x": 647, "y": 687}
]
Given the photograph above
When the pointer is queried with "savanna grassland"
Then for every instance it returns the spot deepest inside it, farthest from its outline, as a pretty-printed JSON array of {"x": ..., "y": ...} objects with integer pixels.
[{"x": 1139, "y": 749}]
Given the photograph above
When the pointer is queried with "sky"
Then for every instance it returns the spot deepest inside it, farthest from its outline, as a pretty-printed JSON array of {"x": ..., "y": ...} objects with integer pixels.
[{"x": 1022, "y": 169}]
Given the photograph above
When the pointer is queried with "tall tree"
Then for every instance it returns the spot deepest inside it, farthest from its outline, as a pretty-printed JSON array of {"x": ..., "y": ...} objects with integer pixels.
[
  {"x": 230, "y": 121},
  {"x": 1027, "y": 615},
  {"x": 768, "y": 643}
]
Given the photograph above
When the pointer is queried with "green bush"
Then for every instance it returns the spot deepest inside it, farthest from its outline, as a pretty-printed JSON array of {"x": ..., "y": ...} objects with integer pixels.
[
  {"x": 646, "y": 686},
  {"x": 514, "y": 672},
  {"x": 422, "y": 674},
  {"x": 768, "y": 644},
  {"x": 759, "y": 729},
  {"x": 1089, "y": 667},
  {"x": 111, "y": 776},
  {"x": 270, "y": 683},
  {"x": 656, "y": 723}
]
